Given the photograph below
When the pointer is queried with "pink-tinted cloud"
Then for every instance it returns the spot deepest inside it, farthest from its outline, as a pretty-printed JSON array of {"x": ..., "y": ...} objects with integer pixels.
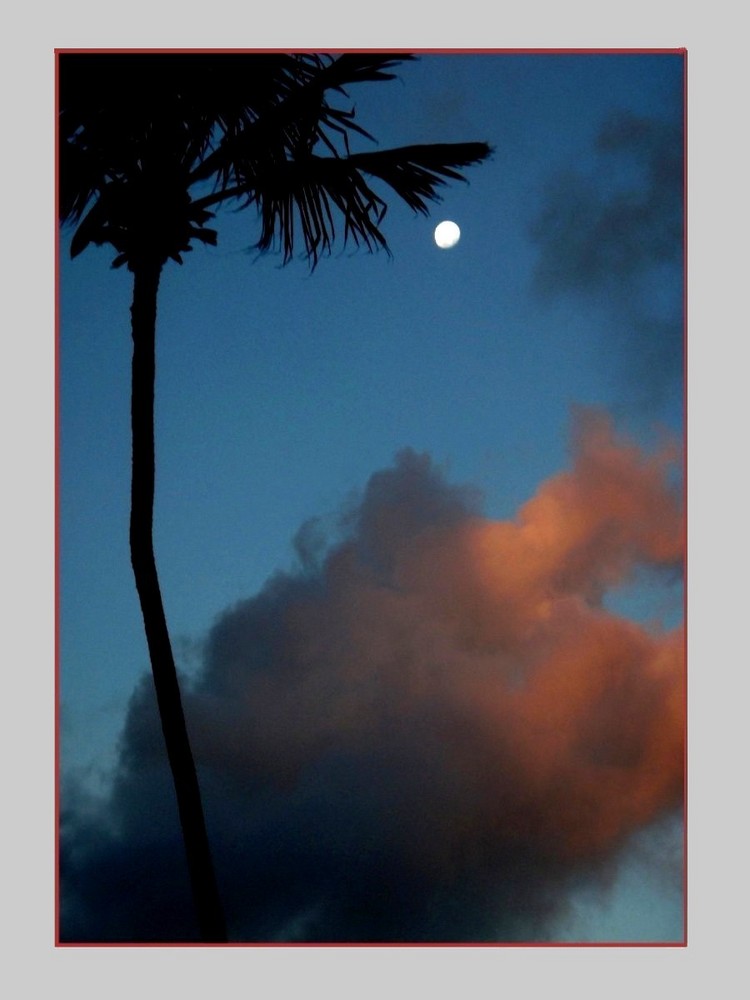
[{"x": 424, "y": 735}]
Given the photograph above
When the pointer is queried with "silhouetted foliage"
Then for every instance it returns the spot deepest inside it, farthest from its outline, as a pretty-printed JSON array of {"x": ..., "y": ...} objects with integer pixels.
[{"x": 142, "y": 135}]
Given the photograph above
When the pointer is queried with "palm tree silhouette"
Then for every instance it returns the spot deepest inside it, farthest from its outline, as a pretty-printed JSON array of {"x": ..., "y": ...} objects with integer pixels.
[{"x": 150, "y": 144}]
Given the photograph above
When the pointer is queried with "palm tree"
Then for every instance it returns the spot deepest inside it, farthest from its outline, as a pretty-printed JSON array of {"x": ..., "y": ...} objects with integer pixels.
[{"x": 150, "y": 144}]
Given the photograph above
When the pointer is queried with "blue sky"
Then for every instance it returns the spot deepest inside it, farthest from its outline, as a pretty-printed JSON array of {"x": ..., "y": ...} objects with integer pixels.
[{"x": 280, "y": 392}]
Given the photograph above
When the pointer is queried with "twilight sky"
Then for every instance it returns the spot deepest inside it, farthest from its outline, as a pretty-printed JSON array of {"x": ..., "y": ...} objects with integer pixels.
[{"x": 419, "y": 529}]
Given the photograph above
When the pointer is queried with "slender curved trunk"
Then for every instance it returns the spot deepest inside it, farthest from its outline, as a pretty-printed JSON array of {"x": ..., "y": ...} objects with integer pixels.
[{"x": 202, "y": 878}]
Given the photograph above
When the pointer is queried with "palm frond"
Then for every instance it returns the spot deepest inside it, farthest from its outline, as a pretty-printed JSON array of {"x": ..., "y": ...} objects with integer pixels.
[
  {"x": 317, "y": 185},
  {"x": 310, "y": 196},
  {"x": 416, "y": 172},
  {"x": 300, "y": 117}
]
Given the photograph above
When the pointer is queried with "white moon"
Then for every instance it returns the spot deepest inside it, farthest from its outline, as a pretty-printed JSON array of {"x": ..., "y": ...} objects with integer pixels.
[{"x": 447, "y": 234}]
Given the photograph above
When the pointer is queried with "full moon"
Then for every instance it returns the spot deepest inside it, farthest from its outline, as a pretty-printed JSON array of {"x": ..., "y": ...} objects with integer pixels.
[{"x": 447, "y": 234}]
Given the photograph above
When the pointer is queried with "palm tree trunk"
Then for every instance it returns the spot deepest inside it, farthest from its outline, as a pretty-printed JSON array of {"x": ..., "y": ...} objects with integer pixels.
[{"x": 203, "y": 881}]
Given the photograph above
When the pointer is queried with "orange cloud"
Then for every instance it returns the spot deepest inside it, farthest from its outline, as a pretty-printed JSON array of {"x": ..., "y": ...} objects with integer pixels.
[
  {"x": 434, "y": 731},
  {"x": 473, "y": 660}
]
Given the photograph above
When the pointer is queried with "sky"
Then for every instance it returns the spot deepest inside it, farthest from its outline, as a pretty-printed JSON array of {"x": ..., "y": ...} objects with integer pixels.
[{"x": 419, "y": 529}]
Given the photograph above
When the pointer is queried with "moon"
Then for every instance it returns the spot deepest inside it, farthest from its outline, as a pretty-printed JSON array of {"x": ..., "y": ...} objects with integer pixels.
[{"x": 447, "y": 234}]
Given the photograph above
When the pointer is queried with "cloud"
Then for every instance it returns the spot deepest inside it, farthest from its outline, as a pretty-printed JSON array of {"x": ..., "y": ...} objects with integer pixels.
[
  {"x": 614, "y": 235},
  {"x": 429, "y": 732}
]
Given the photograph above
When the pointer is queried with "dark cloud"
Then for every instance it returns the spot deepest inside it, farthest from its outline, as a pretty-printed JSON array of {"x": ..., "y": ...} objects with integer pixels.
[
  {"x": 614, "y": 235},
  {"x": 429, "y": 733},
  {"x": 594, "y": 233}
]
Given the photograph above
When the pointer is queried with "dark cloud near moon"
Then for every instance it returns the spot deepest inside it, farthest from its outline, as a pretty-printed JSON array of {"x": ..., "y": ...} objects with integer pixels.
[
  {"x": 615, "y": 236},
  {"x": 430, "y": 731}
]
